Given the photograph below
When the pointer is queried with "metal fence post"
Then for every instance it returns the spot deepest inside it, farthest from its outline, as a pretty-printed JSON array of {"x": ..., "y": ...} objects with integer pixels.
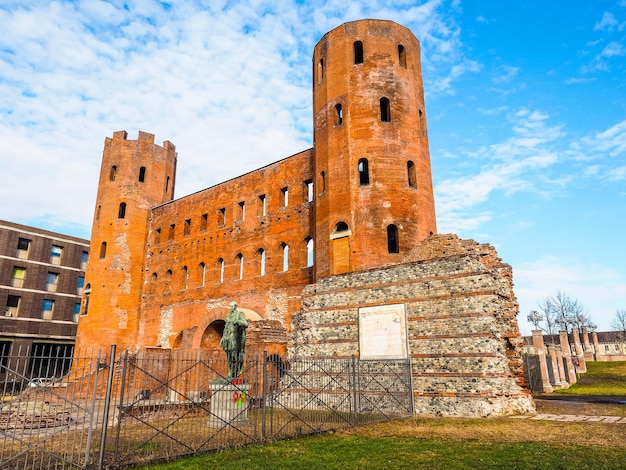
[
  {"x": 264, "y": 395},
  {"x": 354, "y": 390},
  {"x": 107, "y": 402}
]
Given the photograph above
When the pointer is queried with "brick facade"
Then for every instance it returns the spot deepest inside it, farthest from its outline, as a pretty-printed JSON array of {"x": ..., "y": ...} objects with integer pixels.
[{"x": 356, "y": 208}]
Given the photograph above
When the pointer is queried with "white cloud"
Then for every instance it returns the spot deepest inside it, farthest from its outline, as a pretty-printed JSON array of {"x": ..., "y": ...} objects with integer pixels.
[{"x": 607, "y": 22}]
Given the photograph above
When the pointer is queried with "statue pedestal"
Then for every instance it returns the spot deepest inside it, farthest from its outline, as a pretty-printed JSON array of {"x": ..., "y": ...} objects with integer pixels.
[{"x": 229, "y": 404}]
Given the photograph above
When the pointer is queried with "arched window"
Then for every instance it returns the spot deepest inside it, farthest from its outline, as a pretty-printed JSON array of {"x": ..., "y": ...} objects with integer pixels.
[
  {"x": 285, "y": 248},
  {"x": 185, "y": 275},
  {"x": 261, "y": 254},
  {"x": 385, "y": 110},
  {"x": 239, "y": 259},
  {"x": 358, "y": 52},
  {"x": 121, "y": 213},
  {"x": 364, "y": 172},
  {"x": 421, "y": 122},
  {"x": 392, "y": 239},
  {"x": 410, "y": 168},
  {"x": 168, "y": 280},
  {"x": 320, "y": 71},
  {"x": 309, "y": 252},
  {"x": 220, "y": 267},
  {"x": 113, "y": 173},
  {"x": 201, "y": 274},
  {"x": 339, "y": 115},
  {"x": 155, "y": 276},
  {"x": 142, "y": 174},
  {"x": 401, "y": 55},
  {"x": 98, "y": 212},
  {"x": 103, "y": 250},
  {"x": 341, "y": 227}
]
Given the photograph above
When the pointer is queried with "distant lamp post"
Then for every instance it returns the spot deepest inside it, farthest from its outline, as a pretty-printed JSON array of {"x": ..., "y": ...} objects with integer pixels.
[
  {"x": 592, "y": 327},
  {"x": 535, "y": 318}
]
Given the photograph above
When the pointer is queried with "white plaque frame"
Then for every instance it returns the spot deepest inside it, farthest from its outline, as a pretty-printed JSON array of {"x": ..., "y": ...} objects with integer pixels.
[{"x": 383, "y": 332}]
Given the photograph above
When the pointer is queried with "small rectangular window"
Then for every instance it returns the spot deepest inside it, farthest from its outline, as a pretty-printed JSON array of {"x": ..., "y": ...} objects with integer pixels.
[
  {"x": 47, "y": 309},
  {"x": 309, "y": 190},
  {"x": 18, "y": 277},
  {"x": 80, "y": 285},
  {"x": 83, "y": 260},
  {"x": 203, "y": 222},
  {"x": 285, "y": 196},
  {"x": 157, "y": 236},
  {"x": 13, "y": 304},
  {"x": 241, "y": 211},
  {"x": 187, "y": 227},
  {"x": 55, "y": 254},
  {"x": 52, "y": 281},
  {"x": 221, "y": 217},
  {"x": 262, "y": 207},
  {"x": 23, "y": 245},
  {"x": 76, "y": 312},
  {"x": 170, "y": 235}
]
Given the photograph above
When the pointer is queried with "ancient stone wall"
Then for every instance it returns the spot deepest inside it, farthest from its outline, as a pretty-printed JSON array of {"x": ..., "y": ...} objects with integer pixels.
[{"x": 462, "y": 334}]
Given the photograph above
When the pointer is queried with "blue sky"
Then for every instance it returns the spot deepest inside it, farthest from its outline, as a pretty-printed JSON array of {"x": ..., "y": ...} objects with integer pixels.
[{"x": 525, "y": 100}]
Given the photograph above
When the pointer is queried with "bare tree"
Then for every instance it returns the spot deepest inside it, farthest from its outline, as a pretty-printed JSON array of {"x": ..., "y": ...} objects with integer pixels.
[
  {"x": 619, "y": 322},
  {"x": 562, "y": 312}
]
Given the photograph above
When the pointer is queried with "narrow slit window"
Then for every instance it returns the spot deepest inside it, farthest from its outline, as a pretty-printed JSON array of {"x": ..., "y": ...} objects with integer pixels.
[
  {"x": 172, "y": 230},
  {"x": 167, "y": 184},
  {"x": 241, "y": 211},
  {"x": 385, "y": 110},
  {"x": 401, "y": 56},
  {"x": 157, "y": 236},
  {"x": 240, "y": 265},
  {"x": 103, "y": 250},
  {"x": 98, "y": 212},
  {"x": 185, "y": 276},
  {"x": 142, "y": 174},
  {"x": 338, "y": 115},
  {"x": 121, "y": 213},
  {"x": 285, "y": 195},
  {"x": 392, "y": 239},
  {"x": 364, "y": 174},
  {"x": 187, "y": 227},
  {"x": 323, "y": 182},
  {"x": 309, "y": 252},
  {"x": 261, "y": 262},
  {"x": 422, "y": 127},
  {"x": 201, "y": 274},
  {"x": 308, "y": 188},
  {"x": 220, "y": 267},
  {"x": 221, "y": 217},
  {"x": 410, "y": 168},
  {"x": 262, "y": 206},
  {"x": 113, "y": 173},
  {"x": 204, "y": 221},
  {"x": 320, "y": 71},
  {"x": 285, "y": 248},
  {"x": 358, "y": 52}
]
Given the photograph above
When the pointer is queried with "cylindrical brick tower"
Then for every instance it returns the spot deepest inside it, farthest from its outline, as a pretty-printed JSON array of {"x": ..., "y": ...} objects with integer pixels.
[
  {"x": 135, "y": 176},
  {"x": 372, "y": 164}
]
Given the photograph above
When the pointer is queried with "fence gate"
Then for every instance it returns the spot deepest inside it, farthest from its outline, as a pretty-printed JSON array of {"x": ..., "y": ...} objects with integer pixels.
[{"x": 48, "y": 423}]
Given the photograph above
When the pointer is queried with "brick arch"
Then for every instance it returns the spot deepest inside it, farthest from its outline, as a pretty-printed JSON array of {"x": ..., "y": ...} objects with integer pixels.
[{"x": 218, "y": 314}]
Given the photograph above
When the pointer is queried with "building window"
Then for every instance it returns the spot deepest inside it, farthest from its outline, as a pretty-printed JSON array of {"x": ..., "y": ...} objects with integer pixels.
[
  {"x": 187, "y": 228},
  {"x": 168, "y": 280},
  {"x": 392, "y": 239},
  {"x": 204, "y": 222},
  {"x": 112, "y": 173},
  {"x": 76, "y": 312},
  {"x": 322, "y": 182},
  {"x": 320, "y": 71},
  {"x": 364, "y": 172},
  {"x": 23, "y": 245},
  {"x": 13, "y": 306},
  {"x": 202, "y": 274},
  {"x": 261, "y": 253},
  {"x": 262, "y": 207},
  {"x": 142, "y": 174},
  {"x": 410, "y": 168},
  {"x": 99, "y": 208},
  {"x": 308, "y": 184},
  {"x": 239, "y": 260},
  {"x": 422, "y": 126},
  {"x": 86, "y": 299},
  {"x": 55, "y": 254},
  {"x": 338, "y": 115},
  {"x": 17, "y": 279},
  {"x": 401, "y": 56},
  {"x": 220, "y": 266},
  {"x": 171, "y": 231},
  {"x": 167, "y": 184},
  {"x": 285, "y": 248},
  {"x": 358, "y": 52},
  {"x": 185, "y": 276},
  {"x": 103, "y": 250},
  {"x": 385, "y": 110},
  {"x": 52, "y": 280},
  {"x": 80, "y": 285},
  {"x": 309, "y": 253},
  {"x": 221, "y": 217},
  {"x": 47, "y": 309},
  {"x": 121, "y": 213},
  {"x": 84, "y": 257},
  {"x": 341, "y": 227},
  {"x": 285, "y": 196},
  {"x": 157, "y": 236},
  {"x": 241, "y": 211}
]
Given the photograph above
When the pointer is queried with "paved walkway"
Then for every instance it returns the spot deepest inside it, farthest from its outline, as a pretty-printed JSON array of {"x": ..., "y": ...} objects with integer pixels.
[{"x": 575, "y": 418}]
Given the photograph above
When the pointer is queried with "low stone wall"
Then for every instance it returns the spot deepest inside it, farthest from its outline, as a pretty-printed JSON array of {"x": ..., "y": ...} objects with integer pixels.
[{"x": 461, "y": 327}]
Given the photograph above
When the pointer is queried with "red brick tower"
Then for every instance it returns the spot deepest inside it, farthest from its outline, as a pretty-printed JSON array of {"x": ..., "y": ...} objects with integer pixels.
[
  {"x": 135, "y": 176},
  {"x": 372, "y": 164}
]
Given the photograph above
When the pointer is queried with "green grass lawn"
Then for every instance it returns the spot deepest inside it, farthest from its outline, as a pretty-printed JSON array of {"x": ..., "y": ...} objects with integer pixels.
[{"x": 601, "y": 378}]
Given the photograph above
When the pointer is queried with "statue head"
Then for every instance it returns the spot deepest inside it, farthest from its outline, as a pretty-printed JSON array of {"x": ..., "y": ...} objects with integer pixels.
[{"x": 233, "y": 306}]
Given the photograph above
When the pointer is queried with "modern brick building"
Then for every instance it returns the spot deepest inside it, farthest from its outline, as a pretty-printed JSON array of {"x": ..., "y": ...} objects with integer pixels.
[
  {"x": 42, "y": 276},
  {"x": 332, "y": 251}
]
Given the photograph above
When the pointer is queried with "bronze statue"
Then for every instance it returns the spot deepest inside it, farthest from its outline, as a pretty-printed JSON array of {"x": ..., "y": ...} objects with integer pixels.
[{"x": 234, "y": 340}]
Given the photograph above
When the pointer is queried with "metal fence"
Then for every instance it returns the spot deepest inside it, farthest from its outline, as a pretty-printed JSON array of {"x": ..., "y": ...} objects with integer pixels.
[{"x": 115, "y": 410}]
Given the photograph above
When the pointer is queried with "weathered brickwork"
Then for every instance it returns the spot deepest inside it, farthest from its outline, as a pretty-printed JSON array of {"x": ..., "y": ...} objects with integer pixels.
[
  {"x": 463, "y": 336},
  {"x": 304, "y": 243}
]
